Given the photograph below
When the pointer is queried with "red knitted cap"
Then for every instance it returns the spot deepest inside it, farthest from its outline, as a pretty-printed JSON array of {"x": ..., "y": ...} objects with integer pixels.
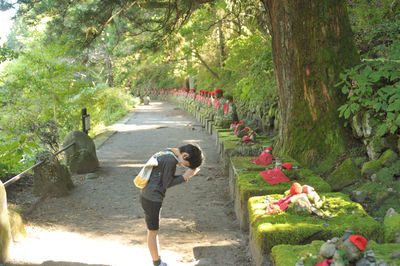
[
  {"x": 359, "y": 241},
  {"x": 287, "y": 165}
]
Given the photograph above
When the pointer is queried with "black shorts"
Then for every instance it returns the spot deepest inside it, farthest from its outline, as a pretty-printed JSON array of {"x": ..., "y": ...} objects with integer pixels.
[{"x": 152, "y": 210}]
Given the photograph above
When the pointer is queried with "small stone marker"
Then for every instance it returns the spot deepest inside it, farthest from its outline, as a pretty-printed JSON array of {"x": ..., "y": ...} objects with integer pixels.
[{"x": 92, "y": 176}]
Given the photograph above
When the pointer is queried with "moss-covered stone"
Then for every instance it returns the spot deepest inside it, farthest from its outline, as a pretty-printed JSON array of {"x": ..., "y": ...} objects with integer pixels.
[
  {"x": 233, "y": 147},
  {"x": 287, "y": 228},
  {"x": 243, "y": 163},
  {"x": 250, "y": 183},
  {"x": 5, "y": 232},
  {"x": 391, "y": 226},
  {"x": 17, "y": 226},
  {"x": 346, "y": 174},
  {"x": 283, "y": 255},
  {"x": 369, "y": 168},
  {"x": 388, "y": 158}
]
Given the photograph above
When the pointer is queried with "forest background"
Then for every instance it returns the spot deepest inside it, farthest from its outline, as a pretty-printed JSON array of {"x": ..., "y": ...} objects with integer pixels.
[{"x": 55, "y": 63}]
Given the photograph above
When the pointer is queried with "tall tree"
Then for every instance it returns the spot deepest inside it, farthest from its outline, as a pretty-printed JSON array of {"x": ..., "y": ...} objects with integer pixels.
[{"x": 312, "y": 44}]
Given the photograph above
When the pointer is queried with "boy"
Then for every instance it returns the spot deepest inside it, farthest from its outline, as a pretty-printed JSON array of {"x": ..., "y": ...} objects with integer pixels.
[{"x": 161, "y": 178}]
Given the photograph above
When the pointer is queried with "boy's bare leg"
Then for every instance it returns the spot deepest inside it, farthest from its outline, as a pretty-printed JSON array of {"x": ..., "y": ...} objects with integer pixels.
[{"x": 152, "y": 243}]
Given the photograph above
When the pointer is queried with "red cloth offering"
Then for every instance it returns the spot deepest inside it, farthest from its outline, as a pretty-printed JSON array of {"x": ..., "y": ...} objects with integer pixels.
[
  {"x": 237, "y": 126},
  {"x": 226, "y": 106},
  {"x": 274, "y": 176},
  {"x": 359, "y": 241},
  {"x": 264, "y": 158},
  {"x": 325, "y": 262}
]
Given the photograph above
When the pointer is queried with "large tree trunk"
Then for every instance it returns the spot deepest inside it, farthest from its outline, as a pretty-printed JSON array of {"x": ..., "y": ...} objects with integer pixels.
[{"x": 312, "y": 43}]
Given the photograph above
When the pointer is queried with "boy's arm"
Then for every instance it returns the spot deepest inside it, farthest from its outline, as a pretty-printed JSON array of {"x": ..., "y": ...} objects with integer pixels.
[
  {"x": 168, "y": 175},
  {"x": 178, "y": 179}
]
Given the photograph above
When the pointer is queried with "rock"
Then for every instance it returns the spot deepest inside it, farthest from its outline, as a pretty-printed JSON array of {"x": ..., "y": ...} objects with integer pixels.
[
  {"x": 370, "y": 168},
  {"x": 395, "y": 255},
  {"x": 352, "y": 252},
  {"x": 337, "y": 259},
  {"x": 356, "y": 125},
  {"x": 81, "y": 157},
  {"x": 375, "y": 148},
  {"x": 327, "y": 250},
  {"x": 390, "y": 212},
  {"x": 364, "y": 262},
  {"x": 299, "y": 263},
  {"x": 5, "y": 231},
  {"x": 397, "y": 237},
  {"x": 347, "y": 234},
  {"x": 334, "y": 240},
  {"x": 345, "y": 174},
  {"x": 373, "y": 177},
  {"x": 16, "y": 225},
  {"x": 51, "y": 178},
  {"x": 92, "y": 176},
  {"x": 370, "y": 255},
  {"x": 388, "y": 158},
  {"x": 146, "y": 100},
  {"x": 359, "y": 196},
  {"x": 366, "y": 125},
  {"x": 381, "y": 263},
  {"x": 205, "y": 262},
  {"x": 391, "y": 228}
]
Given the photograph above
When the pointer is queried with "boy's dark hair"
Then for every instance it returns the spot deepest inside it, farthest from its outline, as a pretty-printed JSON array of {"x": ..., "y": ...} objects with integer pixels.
[{"x": 195, "y": 157}]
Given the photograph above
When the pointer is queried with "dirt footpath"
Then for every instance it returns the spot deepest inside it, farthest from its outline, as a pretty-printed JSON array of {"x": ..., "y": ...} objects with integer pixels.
[{"x": 101, "y": 221}]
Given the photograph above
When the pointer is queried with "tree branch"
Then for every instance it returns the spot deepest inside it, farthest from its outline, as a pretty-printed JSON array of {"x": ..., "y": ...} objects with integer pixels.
[{"x": 205, "y": 65}]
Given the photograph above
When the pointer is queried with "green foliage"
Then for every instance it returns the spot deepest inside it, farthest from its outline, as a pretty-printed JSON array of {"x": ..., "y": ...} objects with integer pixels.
[
  {"x": 250, "y": 68},
  {"x": 16, "y": 152},
  {"x": 43, "y": 92},
  {"x": 374, "y": 85},
  {"x": 7, "y": 53}
]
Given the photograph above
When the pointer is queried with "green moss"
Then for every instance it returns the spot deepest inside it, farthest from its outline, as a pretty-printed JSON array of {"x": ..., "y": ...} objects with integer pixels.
[
  {"x": 226, "y": 135},
  {"x": 283, "y": 255},
  {"x": 391, "y": 225},
  {"x": 347, "y": 173},
  {"x": 241, "y": 163},
  {"x": 16, "y": 225},
  {"x": 388, "y": 158},
  {"x": 370, "y": 167},
  {"x": 383, "y": 252},
  {"x": 288, "y": 228},
  {"x": 250, "y": 183}
]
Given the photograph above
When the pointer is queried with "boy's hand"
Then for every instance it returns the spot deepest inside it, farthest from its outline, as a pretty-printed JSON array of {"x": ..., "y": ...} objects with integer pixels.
[{"x": 189, "y": 173}]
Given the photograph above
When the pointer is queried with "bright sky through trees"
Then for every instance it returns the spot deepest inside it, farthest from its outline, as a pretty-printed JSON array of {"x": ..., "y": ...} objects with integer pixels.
[{"x": 5, "y": 23}]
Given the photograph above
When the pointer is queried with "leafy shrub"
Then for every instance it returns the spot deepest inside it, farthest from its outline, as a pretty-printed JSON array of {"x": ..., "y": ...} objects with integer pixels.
[
  {"x": 374, "y": 85},
  {"x": 16, "y": 153}
]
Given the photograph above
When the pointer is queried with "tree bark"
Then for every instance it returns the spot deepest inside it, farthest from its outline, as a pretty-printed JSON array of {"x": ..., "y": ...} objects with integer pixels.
[{"x": 312, "y": 43}]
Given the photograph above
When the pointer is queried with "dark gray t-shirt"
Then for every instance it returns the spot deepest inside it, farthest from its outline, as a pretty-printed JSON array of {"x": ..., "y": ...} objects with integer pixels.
[{"x": 162, "y": 177}]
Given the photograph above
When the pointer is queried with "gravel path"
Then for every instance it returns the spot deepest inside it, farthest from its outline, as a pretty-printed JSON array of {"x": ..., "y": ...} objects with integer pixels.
[{"x": 101, "y": 221}]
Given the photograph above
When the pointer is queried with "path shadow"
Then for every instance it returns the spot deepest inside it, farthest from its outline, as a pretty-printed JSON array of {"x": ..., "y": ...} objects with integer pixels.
[
  {"x": 216, "y": 255},
  {"x": 56, "y": 263}
]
